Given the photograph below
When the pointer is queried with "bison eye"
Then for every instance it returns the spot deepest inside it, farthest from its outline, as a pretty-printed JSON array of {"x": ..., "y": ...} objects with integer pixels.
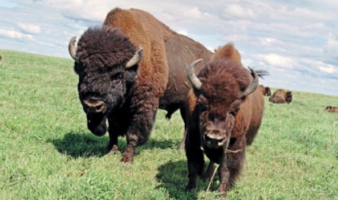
[
  {"x": 116, "y": 76},
  {"x": 233, "y": 112},
  {"x": 203, "y": 107}
]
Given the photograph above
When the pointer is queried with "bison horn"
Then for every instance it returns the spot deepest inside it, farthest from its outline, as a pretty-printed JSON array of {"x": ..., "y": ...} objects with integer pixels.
[
  {"x": 195, "y": 82},
  {"x": 252, "y": 87},
  {"x": 72, "y": 49},
  {"x": 136, "y": 58}
]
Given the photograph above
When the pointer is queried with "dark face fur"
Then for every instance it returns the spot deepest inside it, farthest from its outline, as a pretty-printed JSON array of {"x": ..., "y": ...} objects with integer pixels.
[
  {"x": 328, "y": 108},
  {"x": 267, "y": 91},
  {"x": 216, "y": 124},
  {"x": 288, "y": 98},
  {"x": 219, "y": 100},
  {"x": 104, "y": 78}
]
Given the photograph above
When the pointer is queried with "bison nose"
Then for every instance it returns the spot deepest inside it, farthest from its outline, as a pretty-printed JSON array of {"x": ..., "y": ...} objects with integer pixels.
[{"x": 94, "y": 106}]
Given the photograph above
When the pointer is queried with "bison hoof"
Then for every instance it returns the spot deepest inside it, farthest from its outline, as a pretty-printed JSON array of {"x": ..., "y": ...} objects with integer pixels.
[
  {"x": 223, "y": 194},
  {"x": 190, "y": 187},
  {"x": 114, "y": 149},
  {"x": 222, "y": 189},
  {"x": 127, "y": 159}
]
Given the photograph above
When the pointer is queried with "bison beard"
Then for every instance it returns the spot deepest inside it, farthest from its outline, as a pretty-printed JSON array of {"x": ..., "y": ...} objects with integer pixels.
[
  {"x": 225, "y": 111},
  {"x": 97, "y": 124}
]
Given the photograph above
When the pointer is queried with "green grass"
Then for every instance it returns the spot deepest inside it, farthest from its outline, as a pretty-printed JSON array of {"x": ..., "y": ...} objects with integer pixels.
[{"x": 46, "y": 151}]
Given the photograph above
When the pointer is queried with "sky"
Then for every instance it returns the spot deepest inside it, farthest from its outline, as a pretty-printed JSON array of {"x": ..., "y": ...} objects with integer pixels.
[{"x": 296, "y": 41}]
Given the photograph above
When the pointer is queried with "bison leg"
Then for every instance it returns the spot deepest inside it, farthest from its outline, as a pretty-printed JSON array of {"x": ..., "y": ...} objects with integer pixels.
[
  {"x": 195, "y": 159},
  {"x": 224, "y": 175},
  {"x": 113, "y": 138},
  {"x": 209, "y": 172},
  {"x": 235, "y": 160},
  {"x": 139, "y": 129},
  {"x": 182, "y": 144}
]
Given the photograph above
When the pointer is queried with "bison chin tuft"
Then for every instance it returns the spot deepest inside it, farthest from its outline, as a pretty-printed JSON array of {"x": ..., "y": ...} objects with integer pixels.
[{"x": 97, "y": 124}]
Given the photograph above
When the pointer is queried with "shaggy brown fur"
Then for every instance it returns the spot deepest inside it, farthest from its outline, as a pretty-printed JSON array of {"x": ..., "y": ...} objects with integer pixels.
[
  {"x": 265, "y": 90},
  {"x": 281, "y": 96},
  {"x": 219, "y": 110},
  {"x": 331, "y": 109},
  {"x": 130, "y": 97}
]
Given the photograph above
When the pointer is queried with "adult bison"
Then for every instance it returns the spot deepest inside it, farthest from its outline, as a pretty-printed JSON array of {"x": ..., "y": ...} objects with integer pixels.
[
  {"x": 281, "y": 96},
  {"x": 331, "y": 109},
  {"x": 265, "y": 90},
  {"x": 224, "y": 114},
  {"x": 125, "y": 85}
]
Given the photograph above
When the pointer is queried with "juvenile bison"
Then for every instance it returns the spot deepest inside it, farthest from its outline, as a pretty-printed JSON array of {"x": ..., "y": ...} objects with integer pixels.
[
  {"x": 224, "y": 114},
  {"x": 265, "y": 90},
  {"x": 127, "y": 69},
  {"x": 331, "y": 109},
  {"x": 281, "y": 96}
]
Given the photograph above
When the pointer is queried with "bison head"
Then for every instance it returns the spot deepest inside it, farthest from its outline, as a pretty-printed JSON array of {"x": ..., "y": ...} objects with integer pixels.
[
  {"x": 220, "y": 88},
  {"x": 328, "y": 108},
  {"x": 106, "y": 63},
  {"x": 267, "y": 91},
  {"x": 288, "y": 97}
]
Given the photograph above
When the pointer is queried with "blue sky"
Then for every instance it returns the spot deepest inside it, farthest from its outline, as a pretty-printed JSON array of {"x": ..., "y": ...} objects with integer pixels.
[{"x": 296, "y": 41}]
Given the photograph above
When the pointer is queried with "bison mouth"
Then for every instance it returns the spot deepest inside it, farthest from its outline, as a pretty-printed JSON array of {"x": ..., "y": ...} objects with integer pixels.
[
  {"x": 97, "y": 123},
  {"x": 214, "y": 142}
]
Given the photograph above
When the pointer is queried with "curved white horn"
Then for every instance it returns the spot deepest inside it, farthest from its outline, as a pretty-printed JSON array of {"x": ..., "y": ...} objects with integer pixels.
[
  {"x": 195, "y": 82},
  {"x": 136, "y": 58},
  {"x": 72, "y": 49}
]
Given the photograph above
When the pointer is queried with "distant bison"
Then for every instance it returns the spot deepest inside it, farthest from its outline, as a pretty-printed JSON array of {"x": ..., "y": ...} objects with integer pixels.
[
  {"x": 124, "y": 85},
  {"x": 281, "y": 96},
  {"x": 225, "y": 113},
  {"x": 265, "y": 90},
  {"x": 0, "y": 57},
  {"x": 331, "y": 109}
]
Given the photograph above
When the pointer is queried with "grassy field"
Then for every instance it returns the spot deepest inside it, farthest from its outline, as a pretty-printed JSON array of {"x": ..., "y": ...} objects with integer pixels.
[{"x": 46, "y": 151}]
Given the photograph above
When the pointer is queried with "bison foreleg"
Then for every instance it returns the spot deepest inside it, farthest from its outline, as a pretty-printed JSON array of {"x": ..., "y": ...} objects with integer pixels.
[
  {"x": 183, "y": 115},
  {"x": 114, "y": 133},
  {"x": 224, "y": 175},
  {"x": 139, "y": 129},
  {"x": 209, "y": 172},
  {"x": 195, "y": 166},
  {"x": 195, "y": 158}
]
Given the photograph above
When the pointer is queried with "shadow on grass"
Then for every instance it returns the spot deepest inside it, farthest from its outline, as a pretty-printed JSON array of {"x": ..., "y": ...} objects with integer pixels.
[
  {"x": 173, "y": 176},
  {"x": 81, "y": 145},
  {"x": 87, "y": 145}
]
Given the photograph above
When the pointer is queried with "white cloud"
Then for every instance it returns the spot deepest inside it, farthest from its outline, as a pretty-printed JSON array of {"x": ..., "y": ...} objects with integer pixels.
[
  {"x": 330, "y": 69},
  {"x": 29, "y": 28},
  {"x": 15, "y": 34},
  {"x": 269, "y": 41},
  {"x": 331, "y": 46},
  {"x": 277, "y": 60},
  {"x": 183, "y": 32},
  {"x": 238, "y": 11},
  {"x": 197, "y": 14},
  {"x": 236, "y": 38}
]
